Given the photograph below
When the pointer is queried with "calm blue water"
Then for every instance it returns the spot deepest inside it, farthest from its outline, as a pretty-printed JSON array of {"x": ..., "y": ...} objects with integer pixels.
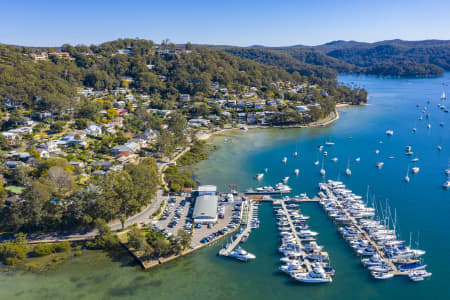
[{"x": 422, "y": 206}]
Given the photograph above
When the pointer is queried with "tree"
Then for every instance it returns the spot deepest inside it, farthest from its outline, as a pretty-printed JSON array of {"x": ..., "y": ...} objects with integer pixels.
[
  {"x": 20, "y": 175},
  {"x": 123, "y": 219},
  {"x": 184, "y": 238},
  {"x": 136, "y": 239},
  {"x": 62, "y": 179},
  {"x": 177, "y": 124},
  {"x": 57, "y": 126},
  {"x": 164, "y": 142}
]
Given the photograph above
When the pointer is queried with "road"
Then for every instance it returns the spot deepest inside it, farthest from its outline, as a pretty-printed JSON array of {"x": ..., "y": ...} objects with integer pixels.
[{"x": 144, "y": 216}]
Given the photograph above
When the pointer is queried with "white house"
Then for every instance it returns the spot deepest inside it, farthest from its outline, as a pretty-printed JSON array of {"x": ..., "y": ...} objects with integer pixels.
[
  {"x": 301, "y": 108},
  {"x": 93, "y": 130}
]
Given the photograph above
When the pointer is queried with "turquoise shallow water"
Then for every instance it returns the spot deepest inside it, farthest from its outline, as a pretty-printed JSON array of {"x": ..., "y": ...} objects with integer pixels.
[{"x": 422, "y": 206}]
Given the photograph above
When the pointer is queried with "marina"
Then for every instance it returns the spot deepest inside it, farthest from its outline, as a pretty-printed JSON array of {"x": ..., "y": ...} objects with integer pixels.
[
  {"x": 231, "y": 249},
  {"x": 369, "y": 235},
  {"x": 422, "y": 205},
  {"x": 304, "y": 263}
]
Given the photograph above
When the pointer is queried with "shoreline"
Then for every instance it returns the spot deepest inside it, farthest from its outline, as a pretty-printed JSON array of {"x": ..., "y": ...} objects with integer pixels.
[{"x": 334, "y": 116}]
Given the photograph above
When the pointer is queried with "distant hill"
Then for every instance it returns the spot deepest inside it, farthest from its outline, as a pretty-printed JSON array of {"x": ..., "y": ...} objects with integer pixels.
[{"x": 388, "y": 58}]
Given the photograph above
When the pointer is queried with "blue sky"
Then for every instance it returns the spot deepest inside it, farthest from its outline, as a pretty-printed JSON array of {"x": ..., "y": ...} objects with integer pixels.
[{"x": 271, "y": 23}]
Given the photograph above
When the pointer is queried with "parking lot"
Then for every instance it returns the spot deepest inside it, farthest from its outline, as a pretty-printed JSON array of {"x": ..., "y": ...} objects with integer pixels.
[{"x": 178, "y": 213}]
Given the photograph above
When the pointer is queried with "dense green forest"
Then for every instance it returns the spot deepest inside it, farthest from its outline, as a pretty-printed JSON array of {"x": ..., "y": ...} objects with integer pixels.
[
  {"x": 52, "y": 84},
  {"x": 53, "y": 201},
  {"x": 392, "y": 58}
]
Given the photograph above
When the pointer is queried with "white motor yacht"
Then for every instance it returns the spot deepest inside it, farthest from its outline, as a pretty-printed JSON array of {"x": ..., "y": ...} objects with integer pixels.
[
  {"x": 382, "y": 275},
  {"x": 415, "y": 170},
  {"x": 296, "y": 171},
  {"x": 316, "y": 275},
  {"x": 241, "y": 254}
]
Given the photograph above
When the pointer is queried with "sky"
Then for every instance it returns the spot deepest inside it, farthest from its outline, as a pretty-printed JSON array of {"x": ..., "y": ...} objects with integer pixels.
[{"x": 226, "y": 22}]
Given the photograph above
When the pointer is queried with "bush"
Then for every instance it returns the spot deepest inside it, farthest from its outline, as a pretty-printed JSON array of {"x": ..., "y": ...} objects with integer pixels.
[
  {"x": 57, "y": 126},
  {"x": 62, "y": 247},
  {"x": 11, "y": 261},
  {"x": 42, "y": 250}
]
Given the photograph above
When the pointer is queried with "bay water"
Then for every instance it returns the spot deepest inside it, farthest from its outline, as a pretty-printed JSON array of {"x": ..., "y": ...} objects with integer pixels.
[{"x": 422, "y": 208}]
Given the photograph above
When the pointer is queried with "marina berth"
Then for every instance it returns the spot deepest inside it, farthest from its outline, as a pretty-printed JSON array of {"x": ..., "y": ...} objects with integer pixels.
[
  {"x": 306, "y": 263},
  {"x": 370, "y": 233}
]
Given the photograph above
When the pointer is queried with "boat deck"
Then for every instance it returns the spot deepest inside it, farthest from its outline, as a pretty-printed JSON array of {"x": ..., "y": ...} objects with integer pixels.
[
  {"x": 354, "y": 222},
  {"x": 299, "y": 240},
  {"x": 244, "y": 234}
]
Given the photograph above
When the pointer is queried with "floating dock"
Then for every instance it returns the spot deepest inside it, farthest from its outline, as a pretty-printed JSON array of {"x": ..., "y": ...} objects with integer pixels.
[
  {"x": 244, "y": 234},
  {"x": 327, "y": 194}
]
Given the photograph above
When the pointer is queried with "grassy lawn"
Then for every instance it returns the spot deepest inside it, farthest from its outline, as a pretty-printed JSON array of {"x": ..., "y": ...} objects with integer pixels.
[{"x": 15, "y": 189}]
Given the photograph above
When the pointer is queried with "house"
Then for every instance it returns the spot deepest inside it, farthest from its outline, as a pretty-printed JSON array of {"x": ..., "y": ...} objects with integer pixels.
[
  {"x": 102, "y": 164},
  {"x": 43, "y": 115},
  {"x": 301, "y": 108},
  {"x": 198, "y": 122},
  {"x": 120, "y": 91},
  {"x": 242, "y": 116},
  {"x": 124, "y": 51},
  {"x": 185, "y": 97},
  {"x": 39, "y": 56},
  {"x": 43, "y": 153},
  {"x": 231, "y": 103},
  {"x": 93, "y": 130},
  {"x": 250, "y": 94},
  {"x": 119, "y": 149},
  {"x": 163, "y": 112},
  {"x": 260, "y": 104},
  {"x": 272, "y": 103},
  {"x": 148, "y": 135},
  {"x": 240, "y": 104},
  {"x": 119, "y": 103},
  {"x": 78, "y": 164},
  {"x": 223, "y": 90},
  {"x": 133, "y": 146},
  {"x": 98, "y": 173},
  {"x": 12, "y": 137},
  {"x": 50, "y": 146},
  {"x": 140, "y": 141},
  {"x": 150, "y": 67},
  {"x": 251, "y": 119},
  {"x": 130, "y": 98},
  {"x": 62, "y": 55},
  {"x": 86, "y": 92},
  {"x": 12, "y": 164},
  {"x": 12, "y": 103},
  {"x": 126, "y": 156},
  {"x": 24, "y": 156}
]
